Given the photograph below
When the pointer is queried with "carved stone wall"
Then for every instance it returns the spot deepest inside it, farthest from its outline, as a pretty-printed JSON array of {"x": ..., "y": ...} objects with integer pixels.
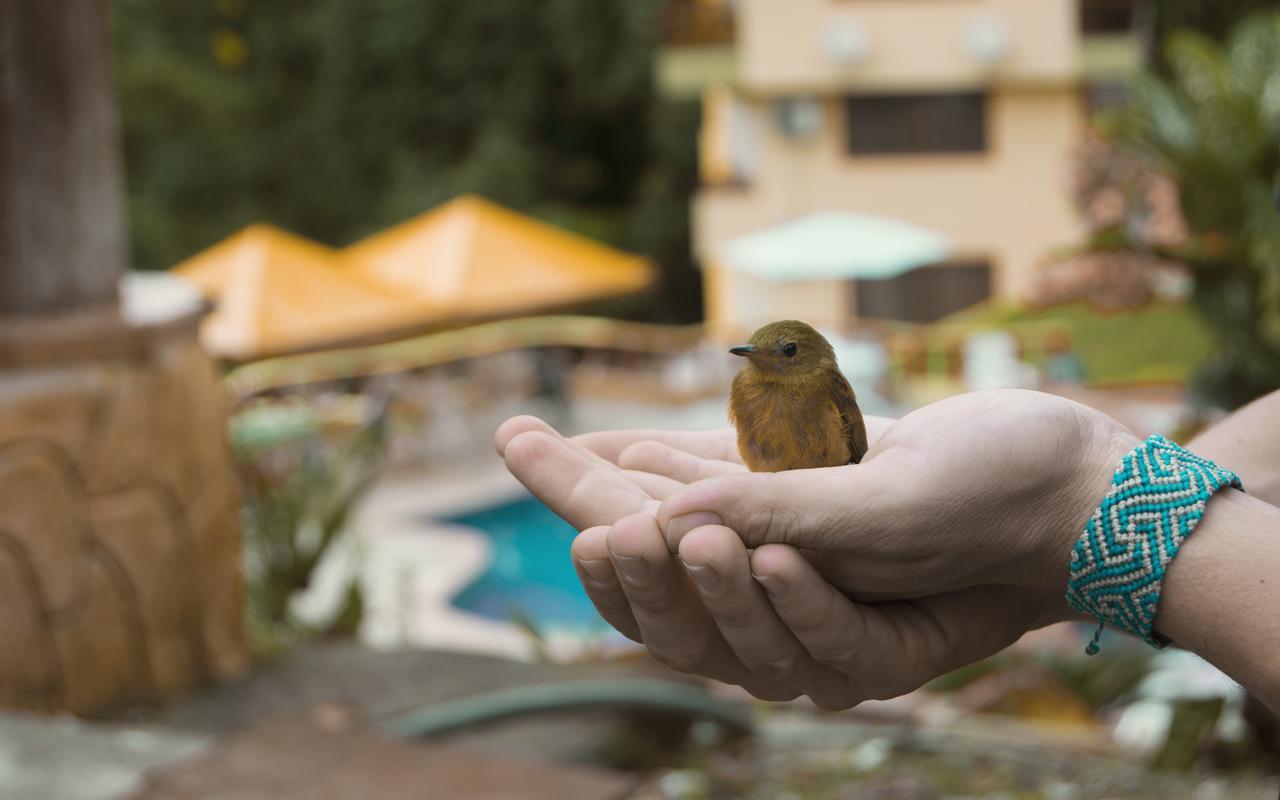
[{"x": 119, "y": 519}]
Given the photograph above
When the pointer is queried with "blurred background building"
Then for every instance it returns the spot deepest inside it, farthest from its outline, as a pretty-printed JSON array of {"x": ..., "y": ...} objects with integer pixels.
[{"x": 956, "y": 117}]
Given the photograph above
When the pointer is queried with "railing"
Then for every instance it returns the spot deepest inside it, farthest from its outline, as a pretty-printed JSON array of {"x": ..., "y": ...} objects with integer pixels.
[{"x": 588, "y": 333}]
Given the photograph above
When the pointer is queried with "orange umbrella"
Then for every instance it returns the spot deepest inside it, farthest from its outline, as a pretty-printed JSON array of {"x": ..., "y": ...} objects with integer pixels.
[
  {"x": 276, "y": 292},
  {"x": 471, "y": 258}
]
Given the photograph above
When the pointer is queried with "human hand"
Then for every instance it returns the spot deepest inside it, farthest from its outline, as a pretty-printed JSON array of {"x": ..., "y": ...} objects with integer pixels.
[
  {"x": 620, "y": 555},
  {"x": 805, "y": 639},
  {"x": 767, "y": 621},
  {"x": 982, "y": 488}
]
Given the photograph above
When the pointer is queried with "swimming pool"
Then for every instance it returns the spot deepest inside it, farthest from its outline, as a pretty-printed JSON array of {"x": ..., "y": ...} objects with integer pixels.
[{"x": 531, "y": 575}]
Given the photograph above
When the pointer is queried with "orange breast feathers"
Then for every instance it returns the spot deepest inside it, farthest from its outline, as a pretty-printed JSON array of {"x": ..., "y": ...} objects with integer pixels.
[
  {"x": 792, "y": 407},
  {"x": 791, "y": 427}
]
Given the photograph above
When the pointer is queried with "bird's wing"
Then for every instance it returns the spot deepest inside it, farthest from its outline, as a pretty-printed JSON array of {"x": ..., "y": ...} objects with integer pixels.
[{"x": 855, "y": 430}]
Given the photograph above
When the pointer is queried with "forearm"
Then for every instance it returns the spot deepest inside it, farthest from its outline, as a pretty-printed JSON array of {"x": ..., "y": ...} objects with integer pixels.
[
  {"x": 1221, "y": 595},
  {"x": 1248, "y": 443}
]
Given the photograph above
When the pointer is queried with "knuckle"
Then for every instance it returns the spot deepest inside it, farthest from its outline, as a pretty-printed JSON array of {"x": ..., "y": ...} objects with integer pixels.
[
  {"x": 640, "y": 454},
  {"x": 687, "y": 660},
  {"x": 595, "y": 482},
  {"x": 810, "y": 618},
  {"x": 737, "y": 618},
  {"x": 773, "y": 668},
  {"x": 769, "y": 521},
  {"x": 809, "y": 622},
  {"x": 847, "y": 660},
  {"x": 648, "y": 599}
]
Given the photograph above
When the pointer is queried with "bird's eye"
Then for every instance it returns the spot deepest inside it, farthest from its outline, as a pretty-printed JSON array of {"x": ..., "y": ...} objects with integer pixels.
[{"x": 789, "y": 349}]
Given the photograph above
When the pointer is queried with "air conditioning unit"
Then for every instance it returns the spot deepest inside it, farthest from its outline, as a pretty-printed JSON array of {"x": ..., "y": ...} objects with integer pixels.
[
  {"x": 987, "y": 40},
  {"x": 846, "y": 41},
  {"x": 798, "y": 118}
]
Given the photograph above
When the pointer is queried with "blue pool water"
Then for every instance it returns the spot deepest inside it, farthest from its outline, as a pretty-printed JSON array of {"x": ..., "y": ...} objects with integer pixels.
[{"x": 531, "y": 575}]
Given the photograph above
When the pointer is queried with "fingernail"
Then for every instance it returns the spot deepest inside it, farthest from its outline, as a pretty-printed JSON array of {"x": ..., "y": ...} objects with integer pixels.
[
  {"x": 705, "y": 576},
  {"x": 679, "y": 526},
  {"x": 597, "y": 569},
  {"x": 633, "y": 568},
  {"x": 772, "y": 584}
]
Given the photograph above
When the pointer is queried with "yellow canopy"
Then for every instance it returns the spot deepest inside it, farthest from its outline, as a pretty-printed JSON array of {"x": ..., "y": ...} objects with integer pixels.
[
  {"x": 471, "y": 259},
  {"x": 276, "y": 292}
]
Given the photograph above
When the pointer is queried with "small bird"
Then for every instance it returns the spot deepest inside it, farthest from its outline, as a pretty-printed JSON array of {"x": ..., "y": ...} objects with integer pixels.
[{"x": 792, "y": 407}]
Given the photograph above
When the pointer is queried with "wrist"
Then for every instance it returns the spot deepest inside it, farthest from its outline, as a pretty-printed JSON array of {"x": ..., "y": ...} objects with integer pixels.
[
  {"x": 1158, "y": 497},
  {"x": 1051, "y": 608},
  {"x": 1221, "y": 593},
  {"x": 1081, "y": 492}
]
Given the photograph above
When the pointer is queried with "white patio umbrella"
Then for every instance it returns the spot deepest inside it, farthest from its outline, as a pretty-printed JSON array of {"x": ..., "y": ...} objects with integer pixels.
[{"x": 835, "y": 245}]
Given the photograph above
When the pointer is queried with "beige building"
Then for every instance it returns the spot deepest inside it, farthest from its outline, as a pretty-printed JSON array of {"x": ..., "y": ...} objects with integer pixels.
[{"x": 956, "y": 116}]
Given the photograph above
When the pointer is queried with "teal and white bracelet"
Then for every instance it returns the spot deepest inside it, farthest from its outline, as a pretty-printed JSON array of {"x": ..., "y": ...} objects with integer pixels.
[{"x": 1157, "y": 497}]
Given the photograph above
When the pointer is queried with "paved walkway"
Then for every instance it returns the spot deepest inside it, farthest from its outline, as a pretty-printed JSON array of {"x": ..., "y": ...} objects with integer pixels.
[
  {"x": 306, "y": 761},
  {"x": 62, "y": 758},
  {"x": 306, "y": 726}
]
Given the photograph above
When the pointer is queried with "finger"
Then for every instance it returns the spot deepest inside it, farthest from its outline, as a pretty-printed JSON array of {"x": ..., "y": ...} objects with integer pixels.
[
  {"x": 892, "y": 648},
  {"x": 656, "y": 486},
  {"x": 673, "y": 622},
  {"x": 663, "y": 459},
  {"x": 582, "y": 492},
  {"x": 719, "y": 565},
  {"x": 595, "y": 571},
  {"x": 515, "y": 426},
  {"x": 834, "y": 630},
  {"x": 719, "y": 444},
  {"x": 853, "y": 509}
]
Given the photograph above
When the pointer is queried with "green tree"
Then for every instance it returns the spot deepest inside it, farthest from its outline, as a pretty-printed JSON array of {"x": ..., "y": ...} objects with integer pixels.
[
  {"x": 1213, "y": 125},
  {"x": 1214, "y": 18},
  {"x": 337, "y": 118}
]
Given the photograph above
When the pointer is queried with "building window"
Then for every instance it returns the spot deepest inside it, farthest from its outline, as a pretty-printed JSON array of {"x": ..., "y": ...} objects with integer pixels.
[
  {"x": 1107, "y": 16},
  {"x": 892, "y": 124},
  {"x": 924, "y": 295}
]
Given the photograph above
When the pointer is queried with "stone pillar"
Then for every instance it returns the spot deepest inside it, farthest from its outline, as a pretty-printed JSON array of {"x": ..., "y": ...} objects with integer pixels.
[
  {"x": 119, "y": 526},
  {"x": 119, "y": 516}
]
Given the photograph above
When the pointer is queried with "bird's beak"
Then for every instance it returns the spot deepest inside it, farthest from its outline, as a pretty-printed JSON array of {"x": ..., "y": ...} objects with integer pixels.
[{"x": 742, "y": 350}]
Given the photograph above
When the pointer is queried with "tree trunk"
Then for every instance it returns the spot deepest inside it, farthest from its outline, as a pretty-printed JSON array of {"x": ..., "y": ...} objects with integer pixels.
[{"x": 62, "y": 241}]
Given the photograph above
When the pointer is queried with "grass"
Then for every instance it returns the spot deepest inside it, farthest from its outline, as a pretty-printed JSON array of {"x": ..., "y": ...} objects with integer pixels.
[{"x": 1160, "y": 343}]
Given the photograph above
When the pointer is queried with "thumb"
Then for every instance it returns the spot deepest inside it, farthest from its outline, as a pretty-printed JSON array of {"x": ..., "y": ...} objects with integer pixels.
[{"x": 809, "y": 508}]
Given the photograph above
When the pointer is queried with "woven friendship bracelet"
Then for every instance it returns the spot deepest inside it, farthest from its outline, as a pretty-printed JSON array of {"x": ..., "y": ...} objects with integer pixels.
[{"x": 1157, "y": 497}]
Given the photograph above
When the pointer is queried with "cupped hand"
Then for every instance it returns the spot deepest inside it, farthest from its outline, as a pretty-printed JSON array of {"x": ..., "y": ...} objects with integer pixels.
[
  {"x": 707, "y": 611},
  {"x": 982, "y": 488},
  {"x": 767, "y": 621},
  {"x": 620, "y": 554}
]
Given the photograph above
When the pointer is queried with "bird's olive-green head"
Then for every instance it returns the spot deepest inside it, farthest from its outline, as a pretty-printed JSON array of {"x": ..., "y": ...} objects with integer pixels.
[{"x": 788, "y": 347}]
